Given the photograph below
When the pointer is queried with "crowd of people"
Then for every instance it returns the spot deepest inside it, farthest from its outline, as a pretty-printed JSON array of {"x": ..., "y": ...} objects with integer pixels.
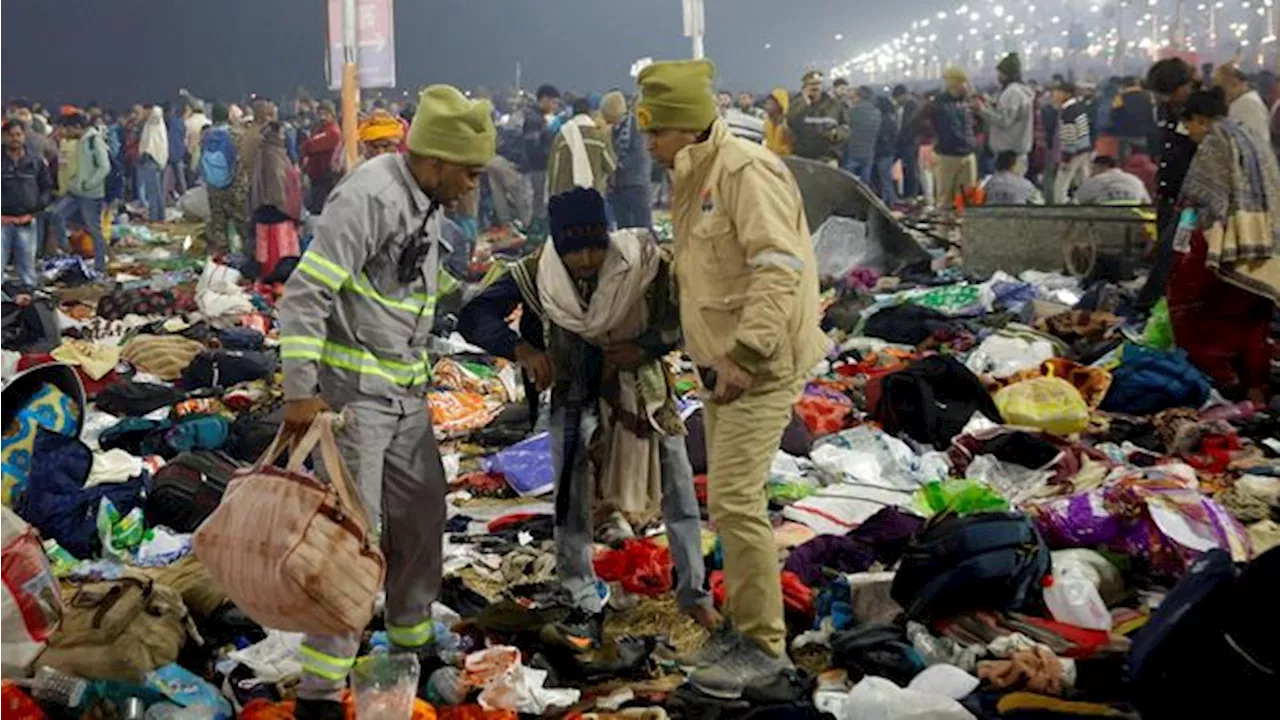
[{"x": 601, "y": 309}]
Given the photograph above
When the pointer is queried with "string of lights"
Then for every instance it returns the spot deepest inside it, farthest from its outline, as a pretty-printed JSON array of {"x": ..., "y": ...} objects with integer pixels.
[{"x": 1089, "y": 37}]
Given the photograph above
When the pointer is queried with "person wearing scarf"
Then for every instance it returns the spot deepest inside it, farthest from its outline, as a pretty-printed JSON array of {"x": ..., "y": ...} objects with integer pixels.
[
  {"x": 582, "y": 154},
  {"x": 598, "y": 318},
  {"x": 154, "y": 152},
  {"x": 380, "y": 134},
  {"x": 1226, "y": 274}
]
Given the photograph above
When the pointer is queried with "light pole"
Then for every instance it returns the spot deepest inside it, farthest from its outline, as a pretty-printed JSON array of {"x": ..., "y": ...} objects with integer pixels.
[{"x": 350, "y": 83}]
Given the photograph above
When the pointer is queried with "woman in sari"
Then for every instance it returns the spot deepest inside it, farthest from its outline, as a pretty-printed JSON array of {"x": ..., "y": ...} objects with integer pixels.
[{"x": 1226, "y": 276}]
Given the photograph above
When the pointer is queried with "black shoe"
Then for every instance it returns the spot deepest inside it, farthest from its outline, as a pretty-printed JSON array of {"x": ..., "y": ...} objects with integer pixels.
[
  {"x": 579, "y": 632},
  {"x": 319, "y": 710}
]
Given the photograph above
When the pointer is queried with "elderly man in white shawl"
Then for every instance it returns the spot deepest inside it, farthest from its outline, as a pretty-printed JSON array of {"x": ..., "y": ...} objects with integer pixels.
[{"x": 599, "y": 315}]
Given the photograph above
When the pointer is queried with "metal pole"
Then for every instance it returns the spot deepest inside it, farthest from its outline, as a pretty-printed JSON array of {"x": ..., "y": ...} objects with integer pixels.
[
  {"x": 350, "y": 83},
  {"x": 697, "y": 47}
]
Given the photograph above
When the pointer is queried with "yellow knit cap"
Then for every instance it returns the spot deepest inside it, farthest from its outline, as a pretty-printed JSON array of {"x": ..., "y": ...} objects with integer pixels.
[
  {"x": 676, "y": 95},
  {"x": 451, "y": 127},
  {"x": 955, "y": 76}
]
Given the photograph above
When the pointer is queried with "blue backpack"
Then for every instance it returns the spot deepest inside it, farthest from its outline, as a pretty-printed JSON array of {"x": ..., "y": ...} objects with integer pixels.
[{"x": 217, "y": 158}]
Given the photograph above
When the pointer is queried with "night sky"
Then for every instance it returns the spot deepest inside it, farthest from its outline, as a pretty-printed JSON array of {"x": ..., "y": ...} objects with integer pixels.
[{"x": 121, "y": 51}]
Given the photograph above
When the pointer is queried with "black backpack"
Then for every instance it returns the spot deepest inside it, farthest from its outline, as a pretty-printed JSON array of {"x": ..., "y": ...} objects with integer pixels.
[
  {"x": 982, "y": 561},
  {"x": 251, "y": 434},
  {"x": 1216, "y": 628},
  {"x": 32, "y": 327},
  {"x": 135, "y": 399},
  {"x": 187, "y": 490},
  {"x": 932, "y": 400},
  {"x": 224, "y": 368}
]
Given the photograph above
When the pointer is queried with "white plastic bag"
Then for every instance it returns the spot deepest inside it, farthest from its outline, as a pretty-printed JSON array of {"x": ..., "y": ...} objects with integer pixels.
[
  {"x": 840, "y": 244},
  {"x": 875, "y": 698},
  {"x": 32, "y": 606},
  {"x": 1074, "y": 600}
]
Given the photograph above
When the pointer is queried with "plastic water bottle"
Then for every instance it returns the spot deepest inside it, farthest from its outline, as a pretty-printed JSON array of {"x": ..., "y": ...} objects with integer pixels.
[
  {"x": 58, "y": 687},
  {"x": 444, "y": 687},
  {"x": 1073, "y": 599}
]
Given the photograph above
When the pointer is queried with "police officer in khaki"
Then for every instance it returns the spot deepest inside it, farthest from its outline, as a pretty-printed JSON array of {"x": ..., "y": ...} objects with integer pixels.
[{"x": 748, "y": 292}]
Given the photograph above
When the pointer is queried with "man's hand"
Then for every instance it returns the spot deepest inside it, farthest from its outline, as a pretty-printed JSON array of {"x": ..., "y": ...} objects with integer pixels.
[
  {"x": 625, "y": 355},
  {"x": 731, "y": 381},
  {"x": 537, "y": 363},
  {"x": 299, "y": 414}
]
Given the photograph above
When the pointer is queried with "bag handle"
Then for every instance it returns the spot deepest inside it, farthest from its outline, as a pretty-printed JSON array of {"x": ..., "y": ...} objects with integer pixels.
[{"x": 320, "y": 433}]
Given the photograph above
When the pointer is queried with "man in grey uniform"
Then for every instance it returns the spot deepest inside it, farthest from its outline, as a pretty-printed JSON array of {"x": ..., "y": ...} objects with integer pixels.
[{"x": 355, "y": 319}]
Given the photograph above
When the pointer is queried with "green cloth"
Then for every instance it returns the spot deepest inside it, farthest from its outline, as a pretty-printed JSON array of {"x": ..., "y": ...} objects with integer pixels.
[
  {"x": 599, "y": 145},
  {"x": 676, "y": 95},
  {"x": 453, "y": 128}
]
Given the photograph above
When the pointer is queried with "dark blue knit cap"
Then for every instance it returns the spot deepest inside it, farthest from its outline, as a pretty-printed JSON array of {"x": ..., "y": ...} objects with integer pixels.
[{"x": 578, "y": 221}]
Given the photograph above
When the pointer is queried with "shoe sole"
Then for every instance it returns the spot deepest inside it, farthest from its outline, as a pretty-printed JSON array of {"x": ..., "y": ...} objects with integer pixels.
[{"x": 716, "y": 693}]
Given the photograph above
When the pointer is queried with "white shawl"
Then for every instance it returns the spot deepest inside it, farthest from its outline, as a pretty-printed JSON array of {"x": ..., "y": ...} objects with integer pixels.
[
  {"x": 155, "y": 138},
  {"x": 572, "y": 132},
  {"x": 617, "y": 306},
  {"x": 631, "y": 480}
]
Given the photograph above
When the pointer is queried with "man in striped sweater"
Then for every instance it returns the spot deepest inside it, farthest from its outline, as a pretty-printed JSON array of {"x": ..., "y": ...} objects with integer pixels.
[{"x": 1073, "y": 139}]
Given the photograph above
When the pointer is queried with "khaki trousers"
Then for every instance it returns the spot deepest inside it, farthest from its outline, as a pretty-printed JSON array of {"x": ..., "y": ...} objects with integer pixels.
[
  {"x": 954, "y": 174},
  {"x": 742, "y": 438}
]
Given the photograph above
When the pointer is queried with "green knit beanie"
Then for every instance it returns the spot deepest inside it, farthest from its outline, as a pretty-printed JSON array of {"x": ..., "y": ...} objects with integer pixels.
[
  {"x": 1010, "y": 65},
  {"x": 676, "y": 95},
  {"x": 451, "y": 127}
]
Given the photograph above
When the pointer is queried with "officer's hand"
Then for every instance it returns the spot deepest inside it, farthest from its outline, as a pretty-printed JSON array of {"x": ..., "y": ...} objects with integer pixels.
[
  {"x": 299, "y": 414},
  {"x": 537, "y": 363},
  {"x": 731, "y": 381},
  {"x": 625, "y": 355}
]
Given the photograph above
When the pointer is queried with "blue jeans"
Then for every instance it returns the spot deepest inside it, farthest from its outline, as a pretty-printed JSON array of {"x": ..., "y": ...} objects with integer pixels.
[
  {"x": 884, "y": 180},
  {"x": 88, "y": 212},
  {"x": 150, "y": 188},
  {"x": 860, "y": 168},
  {"x": 20, "y": 241},
  {"x": 631, "y": 206},
  {"x": 571, "y": 430}
]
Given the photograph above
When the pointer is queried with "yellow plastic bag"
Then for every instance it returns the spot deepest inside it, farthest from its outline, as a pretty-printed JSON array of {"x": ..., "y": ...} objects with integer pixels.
[{"x": 1049, "y": 403}]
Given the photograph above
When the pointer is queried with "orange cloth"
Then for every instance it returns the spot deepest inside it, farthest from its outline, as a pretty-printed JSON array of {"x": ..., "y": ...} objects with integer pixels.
[
  {"x": 260, "y": 709},
  {"x": 381, "y": 126}
]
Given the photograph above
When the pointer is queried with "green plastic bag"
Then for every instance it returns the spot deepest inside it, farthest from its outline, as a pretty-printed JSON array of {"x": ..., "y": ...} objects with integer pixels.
[
  {"x": 120, "y": 534},
  {"x": 959, "y": 496},
  {"x": 1159, "y": 330}
]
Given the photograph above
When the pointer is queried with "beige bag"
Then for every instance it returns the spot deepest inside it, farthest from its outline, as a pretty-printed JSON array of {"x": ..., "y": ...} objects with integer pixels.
[
  {"x": 293, "y": 552},
  {"x": 118, "y": 629}
]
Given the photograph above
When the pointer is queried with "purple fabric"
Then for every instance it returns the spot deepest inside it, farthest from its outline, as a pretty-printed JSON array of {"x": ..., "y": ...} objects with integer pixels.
[
  {"x": 887, "y": 533},
  {"x": 1117, "y": 516},
  {"x": 861, "y": 278},
  {"x": 837, "y": 552}
]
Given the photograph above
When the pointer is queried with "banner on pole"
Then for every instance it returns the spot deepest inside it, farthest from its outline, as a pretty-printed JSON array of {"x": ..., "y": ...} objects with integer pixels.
[
  {"x": 694, "y": 19},
  {"x": 376, "y": 38}
]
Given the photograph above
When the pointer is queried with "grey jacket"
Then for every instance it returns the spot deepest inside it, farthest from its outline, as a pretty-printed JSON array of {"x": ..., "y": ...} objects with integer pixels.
[
  {"x": 1010, "y": 120},
  {"x": 864, "y": 127},
  {"x": 348, "y": 325}
]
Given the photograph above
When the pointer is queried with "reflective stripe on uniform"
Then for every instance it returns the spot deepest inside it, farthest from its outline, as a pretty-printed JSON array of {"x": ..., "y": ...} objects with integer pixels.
[
  {"x": 325, "y": 666},
  {"x": 418, "y": 303},
  {"x": 322, "y": 270},
  {"x": 356, "y": 360},
  {"x": 778, "y": 259},
  {"x": 412, "y": 636}
]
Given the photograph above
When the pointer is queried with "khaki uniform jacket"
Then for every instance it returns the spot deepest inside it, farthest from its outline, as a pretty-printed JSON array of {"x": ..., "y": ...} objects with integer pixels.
[{"x": 748, "y": 283}]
